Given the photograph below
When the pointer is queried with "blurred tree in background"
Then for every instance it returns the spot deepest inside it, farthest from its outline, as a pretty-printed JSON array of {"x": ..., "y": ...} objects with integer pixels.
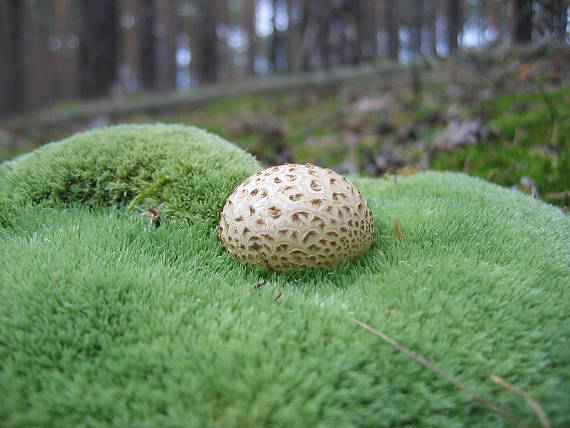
[{"x": 58, "y": 50}]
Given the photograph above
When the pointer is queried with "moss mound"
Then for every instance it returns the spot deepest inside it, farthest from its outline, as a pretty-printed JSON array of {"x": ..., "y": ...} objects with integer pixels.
[
  {"x": 188, "y": 171},
  {"x": 106, "y": 321}
]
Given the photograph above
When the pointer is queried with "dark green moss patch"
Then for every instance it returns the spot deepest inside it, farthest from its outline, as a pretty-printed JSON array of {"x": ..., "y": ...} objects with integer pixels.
[{"x": 113, "y": 166}]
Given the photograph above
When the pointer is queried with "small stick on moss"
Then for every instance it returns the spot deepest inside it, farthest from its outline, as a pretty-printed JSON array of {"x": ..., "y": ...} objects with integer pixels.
[
  {"x": 560, "y": 195},
  {"x": 534, "y": 405},
  {"x": 431, "y": 366},
  {"x": 150, "y": 189},
  {"x": 399, "y": 233}
]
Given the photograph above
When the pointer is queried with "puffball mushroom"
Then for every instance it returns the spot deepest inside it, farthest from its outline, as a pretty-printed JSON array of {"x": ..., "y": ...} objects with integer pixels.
[{"x": 295, "y": 217}]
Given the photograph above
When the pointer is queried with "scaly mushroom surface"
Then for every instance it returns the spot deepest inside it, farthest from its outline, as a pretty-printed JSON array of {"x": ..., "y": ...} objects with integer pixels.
[{"x": 294, "y": 217}]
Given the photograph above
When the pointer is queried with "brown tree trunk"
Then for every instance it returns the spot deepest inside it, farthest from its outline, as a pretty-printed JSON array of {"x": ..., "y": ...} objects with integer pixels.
[
  {"x": 147, "y": 43},
  {"x": 454, "y": 24},
  {"x": 129, "y": 46},
  {"x": 392, "y": 28},
  {"x": 225, "y": 54},
  {"x": 5, "y": 72},
  {"x": 522, "y": 29},
  {"x": 322, "y": 40},
  {"x": 12, "y": 56},
  {"x": 370, "y": 27},
  {"x": 207, "y": 42},
  {"x": 35, "y": 68},
  {"x": 309, "y": 33},
  {"x": 274, "y": 45},
  {"x": 292, "y": 35},
  {"x": 417, "y": 25},
  {"x": 431, "y": 18},
  {"x": 356, "y": 21},
  {"x": 99, "y": 47},
  {"x": 555, "y": 16},
  {"x": 61, "y": 18},
  {"x": 166, "y": 44},
  {"x": 48, "y": 53},
  {"x": 248, "y": 8}
]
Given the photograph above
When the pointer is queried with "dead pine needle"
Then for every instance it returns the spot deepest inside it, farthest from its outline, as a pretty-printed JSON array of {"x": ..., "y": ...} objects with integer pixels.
[
  {"x": 258, "y": 285},
  {"x": 398, "y": 229},
  {"x": 434, "y": 368},
  {"x": 533, "y": 404}
]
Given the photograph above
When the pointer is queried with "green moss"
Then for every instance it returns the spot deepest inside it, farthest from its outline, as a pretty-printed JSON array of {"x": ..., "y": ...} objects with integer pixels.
[
  {"x": 534, "y": 141},
  {"x": 112, "y": 166},
  {"x": 107, "y": 321}
]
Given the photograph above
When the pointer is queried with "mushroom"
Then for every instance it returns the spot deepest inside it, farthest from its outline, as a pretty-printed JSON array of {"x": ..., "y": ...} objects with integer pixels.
[{"x": 295, "y": 217}]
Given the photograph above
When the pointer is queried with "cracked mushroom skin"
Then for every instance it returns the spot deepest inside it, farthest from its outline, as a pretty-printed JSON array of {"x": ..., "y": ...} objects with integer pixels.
[{"x": 295, "y": 217}]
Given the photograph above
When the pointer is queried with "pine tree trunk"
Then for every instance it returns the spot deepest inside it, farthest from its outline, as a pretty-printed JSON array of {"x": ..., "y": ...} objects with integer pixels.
[
  {"x": 274, "y": 45},
  {"x": 99, "y": 47},
  {"x": 12, "y": 56},
  {"x": 130, "y": 46},
  {"x": 522, "y": 30},
  {"x": 34, "y": 68},
  {"x": 392, "y": 28},
  {"x": 556, "y": 15},
  {"x": 431, "y": 18},
  {"x": 147, "y": 43},
  {"x": 207, "y": 42},
  {"x": 370, "y": 27},
  {"x": 454, "y": 24},
  {"x": 357, "y": 21},
  {"x": 417, "y": 25},
  {"x": 166, "y": 44},
  {"x": 248, "y": 24},
  {"x": 61, "y": 17},
  {"x": 225, "y": 54}
]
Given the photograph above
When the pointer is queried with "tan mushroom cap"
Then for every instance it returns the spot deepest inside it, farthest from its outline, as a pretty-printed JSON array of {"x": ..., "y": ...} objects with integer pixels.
[{"x": 294, "y": 217}]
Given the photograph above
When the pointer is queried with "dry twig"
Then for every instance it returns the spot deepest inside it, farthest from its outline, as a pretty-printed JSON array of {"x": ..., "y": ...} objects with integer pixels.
[
  {"x": 431, "y": 366},
  {"x": 534, "y": 405},
  {"x": 559, "y": 195},
  {"x": 399, "y": 233}
]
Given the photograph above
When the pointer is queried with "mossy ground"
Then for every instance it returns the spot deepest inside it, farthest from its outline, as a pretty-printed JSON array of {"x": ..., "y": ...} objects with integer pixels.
[
  {"x": 108, "y": 321},
  {"x": 533, "y": 141}
]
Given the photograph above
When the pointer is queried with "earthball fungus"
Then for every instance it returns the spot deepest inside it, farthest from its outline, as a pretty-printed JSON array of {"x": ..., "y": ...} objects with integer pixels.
[{"x": 295, "y": 217}]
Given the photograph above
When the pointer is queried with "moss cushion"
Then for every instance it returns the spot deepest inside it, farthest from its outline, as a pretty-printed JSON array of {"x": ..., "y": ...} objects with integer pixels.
[{"x": 108, "y": 321}]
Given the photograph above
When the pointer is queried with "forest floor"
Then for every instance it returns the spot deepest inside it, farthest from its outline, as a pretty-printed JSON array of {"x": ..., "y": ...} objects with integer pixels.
[{"x": 502, "y": 116}]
